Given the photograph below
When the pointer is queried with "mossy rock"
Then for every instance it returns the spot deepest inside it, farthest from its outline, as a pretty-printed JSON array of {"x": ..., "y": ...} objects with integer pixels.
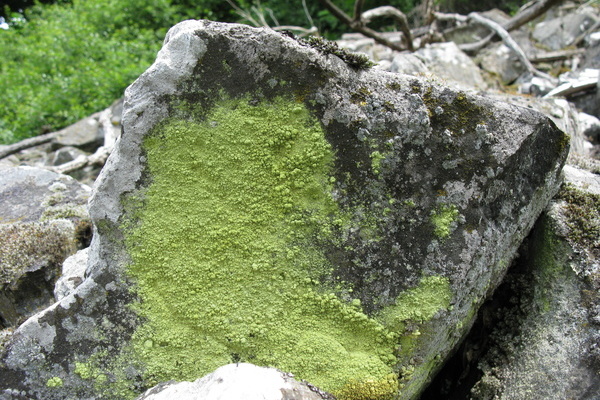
[
  {"x": 43, "y": 220},
  {"x": 270, "y": 203}
]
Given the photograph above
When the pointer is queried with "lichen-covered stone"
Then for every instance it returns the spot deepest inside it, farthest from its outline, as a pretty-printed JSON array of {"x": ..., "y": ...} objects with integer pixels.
[
  {"x": 269, "y": 203},
  {"x": 546, "y": 341}
]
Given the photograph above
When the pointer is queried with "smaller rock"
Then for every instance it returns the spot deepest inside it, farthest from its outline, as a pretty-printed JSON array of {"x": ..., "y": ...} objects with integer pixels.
[
  {"x": 502, "y": 62},
  {"x": 590, "y": 126},
  {"x": 408, "y": 64},
  {"x": 84, "y": 134},
  {"x": 66, "y": 154},
  {"x": 535, "y": 85},
  {"x": 448, "y": 62},
  {"x": 239, "y": 381},
  {"x": 31, "y": 254},
  {"x": 43, "y": 220},
  {"x": 30, "y": 194},
  {"x": 582, "y": 180},
  {"x": 73, "y": 273}
]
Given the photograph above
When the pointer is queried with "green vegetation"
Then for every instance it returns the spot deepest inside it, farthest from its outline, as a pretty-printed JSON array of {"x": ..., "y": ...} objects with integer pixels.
[
  {"x": 583, "y": 222},
  {"x": 63, "y": 61},
  {"x": 69, "y": 60}
]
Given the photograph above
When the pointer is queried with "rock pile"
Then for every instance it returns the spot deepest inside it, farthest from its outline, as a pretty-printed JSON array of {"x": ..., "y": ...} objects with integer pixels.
[{"x": 548, "y": 43}]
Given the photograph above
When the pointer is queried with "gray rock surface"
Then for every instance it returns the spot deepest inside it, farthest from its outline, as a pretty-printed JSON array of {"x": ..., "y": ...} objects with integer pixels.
[
  {"x": 561, "y": 32},
  {"x": 405, "y": 219},
  {"x": 447, "y": 61},
  {"x": 547, "y": 341},
  {"x": 73, "y": 273},
  {"x": 84, "y": 134},
  {"x": 408, "y": 64},
  {"x": 43, "y": 219},
  {"x": 32, "y": 194},
  {"x": 498, "y": 60},
  {"x": 236, "y": 382}
]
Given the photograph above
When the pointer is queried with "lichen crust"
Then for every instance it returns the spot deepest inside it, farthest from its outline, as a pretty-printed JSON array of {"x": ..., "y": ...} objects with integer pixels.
[{"x": 228, "y": 254}]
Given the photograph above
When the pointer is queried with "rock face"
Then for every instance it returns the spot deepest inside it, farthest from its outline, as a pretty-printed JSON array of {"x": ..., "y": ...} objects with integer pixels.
[
  {"x": 43, "y": 220},
  {"x": 235, "y": 382},
  {"x": 447, "y": 61},
  {"x": 272, "y": 201},
  {"x": 548, "y": 342}
]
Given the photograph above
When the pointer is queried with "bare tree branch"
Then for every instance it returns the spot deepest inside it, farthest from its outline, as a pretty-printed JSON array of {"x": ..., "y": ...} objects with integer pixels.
[
  {"x": 310, "y": 20},
  {"x": 556, "y": 55},
  {"x": 6, "y": 151},
  {"x": 98, "y": 158},
  {"x": 244, "y": 14},
  {"x": 358, "y": 6},
  {"x": 391, "y": 12},
  {"x": 529, "y": 13},
  {"x": 358, "y": 26},
  {"x": 509, "y": 42}
]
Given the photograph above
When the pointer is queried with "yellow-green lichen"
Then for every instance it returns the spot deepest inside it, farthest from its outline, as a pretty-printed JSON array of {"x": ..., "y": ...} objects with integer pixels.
[
  {"x": 409, "y": 316},
  {"x": 418, "y": 304},
  {"x": 442, "y": 219},
  {"x": 84, "y": 370},
  {"x": 376, "y": 158},
  {"x": 228, "y": 248},
  {"x": 54, "y": 382}
]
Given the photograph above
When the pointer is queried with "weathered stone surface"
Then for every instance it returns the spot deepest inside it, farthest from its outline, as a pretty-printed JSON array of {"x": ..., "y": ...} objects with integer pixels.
[
  {"x": 84, "y": 134},
  {"x": 562, "y": 113},
  {"x": 450, "y": 63},
  {"x": 546, "y": 340},
  {"x": 408, "y": 64},
  {"x": 499, "y": 60},
  {"x": 73, "y": 273},
  {"x": 33, "y": 194},
  {"x": 43, "y": 219},
  {"x": 236, "y": 382},
  {"x": 272, "y": 204}
]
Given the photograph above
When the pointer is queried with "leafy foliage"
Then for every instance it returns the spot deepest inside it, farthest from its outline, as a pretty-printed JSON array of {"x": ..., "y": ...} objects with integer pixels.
[{"x": 69, "y": 60}]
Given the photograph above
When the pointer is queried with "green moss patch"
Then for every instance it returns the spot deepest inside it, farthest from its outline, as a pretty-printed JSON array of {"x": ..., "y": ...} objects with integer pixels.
[
  {"x": 228, "y": 250},
  {"x": 583, "y": 210}
]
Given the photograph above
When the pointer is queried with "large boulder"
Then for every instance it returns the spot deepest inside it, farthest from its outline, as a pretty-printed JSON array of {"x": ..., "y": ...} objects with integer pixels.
[{"x": 274, "y": 201}]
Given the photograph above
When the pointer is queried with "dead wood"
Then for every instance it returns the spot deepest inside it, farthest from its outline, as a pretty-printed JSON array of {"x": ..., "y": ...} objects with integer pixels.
[
  {"x": 359, "y": 25},
  {"x": 26, "y": 144},
  {"x": 509, "y": 42},
  {"x": 98, "y": 159}
]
